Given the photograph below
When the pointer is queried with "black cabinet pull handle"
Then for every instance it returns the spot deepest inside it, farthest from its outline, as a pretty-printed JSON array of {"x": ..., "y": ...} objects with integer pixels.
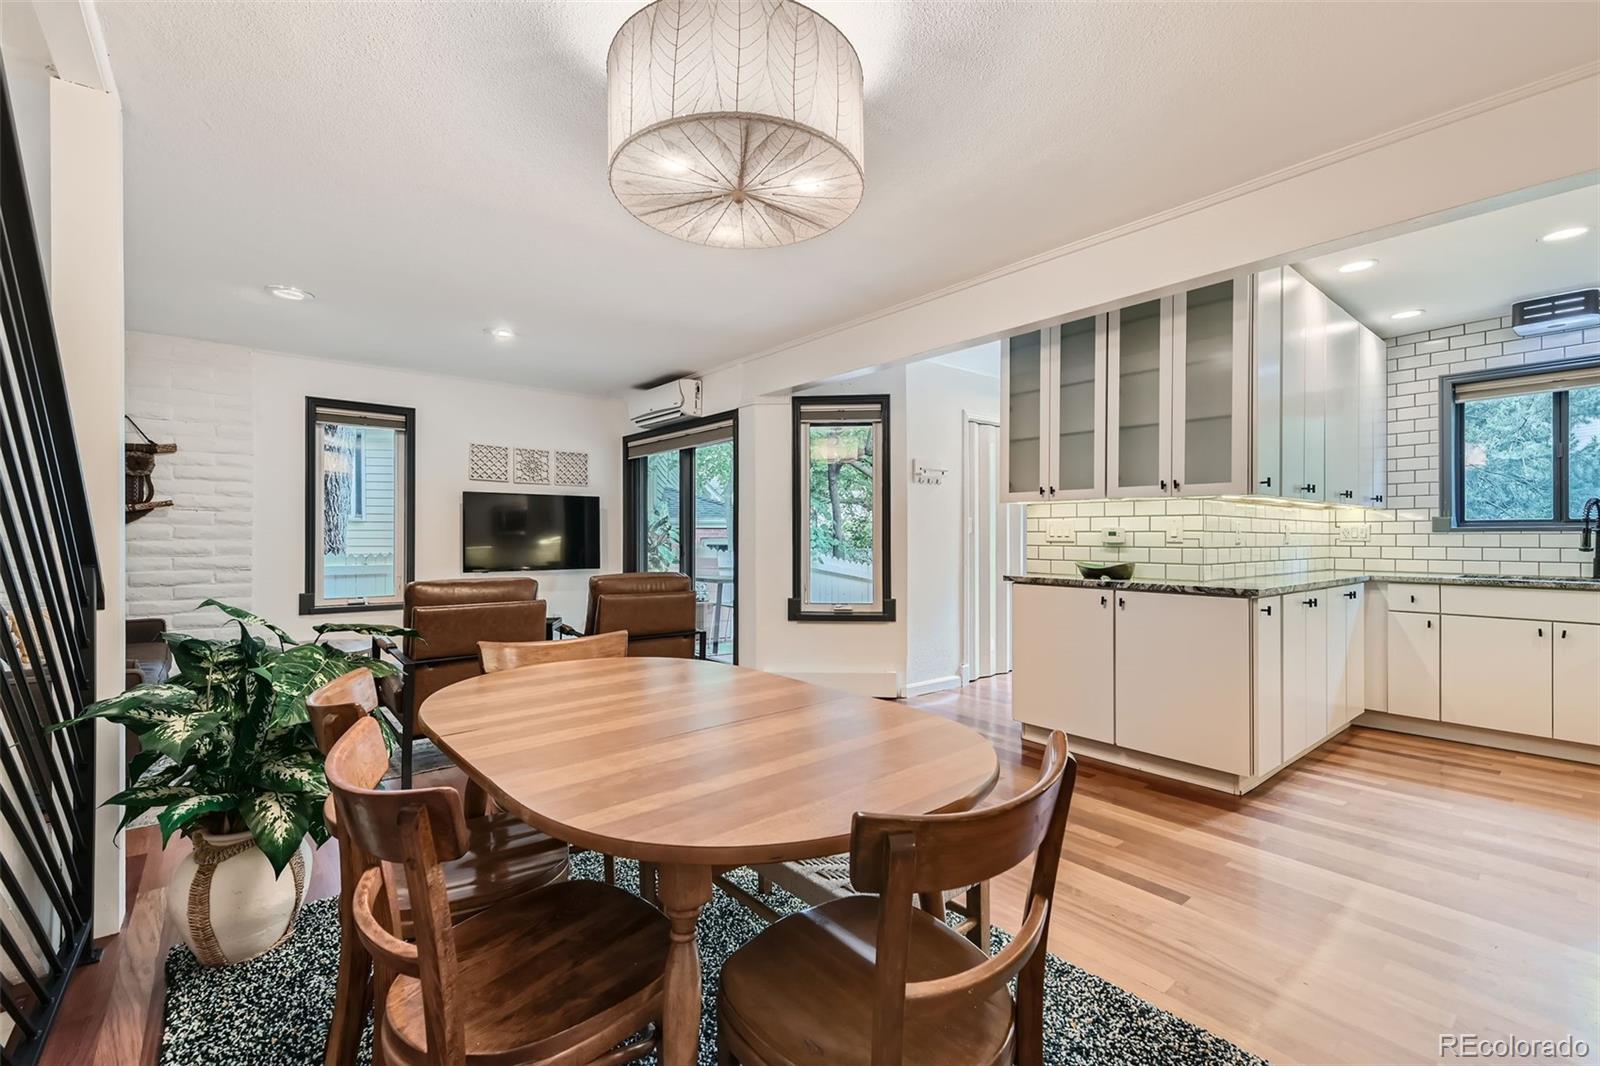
[
  {"x": 1268, "y": 482},
  {"x": 1102, "y": 601},
  {"x": 1163, "y": 484},
  {"x": 1267, "y": 609},
  {"x": 1413, "y": 599},
  {"x": 1541, "y": 631},
  {"x": 1563, "y": 634},
  {"x": 1375, "y": 499},
  {"x": 1347, "y": 494},
  {"x": 1052, "y": 490},
  {"x": 1430, "y": 623},
  {"x": 1041, "y": 490},
  {"x": 1309, "y": 603},
  {"x": 1177, "y": 486},
  {"x": 1350, "y": 595},
  {"x": 1121, "y": 602},
  {"x": 1305, "y": 488}
]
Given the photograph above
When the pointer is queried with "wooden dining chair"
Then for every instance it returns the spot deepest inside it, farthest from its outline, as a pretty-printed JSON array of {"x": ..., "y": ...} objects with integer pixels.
[
  {"x": 504, "y": 857},
  {"x": 510, "y": 655},
  {"x": 499, "y": 655},
  {"x": 562, "y": 974},
  {"x": 873, "y": 980}
]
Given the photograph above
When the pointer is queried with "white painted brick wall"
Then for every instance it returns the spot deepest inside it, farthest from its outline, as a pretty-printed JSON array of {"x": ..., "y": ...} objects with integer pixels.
[
  {"x": 184, "y": 392},
  {"x": 1402, "y": 537}
]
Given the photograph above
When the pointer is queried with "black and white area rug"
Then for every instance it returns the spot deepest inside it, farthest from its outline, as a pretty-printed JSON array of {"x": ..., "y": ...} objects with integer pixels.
[{"x": 274, "y": 1010}]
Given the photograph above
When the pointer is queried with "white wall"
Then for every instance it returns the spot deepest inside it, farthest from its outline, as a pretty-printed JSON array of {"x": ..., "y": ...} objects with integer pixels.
[
  {"x": 939, "y": 399},
  {"x": 237, "y": 530},
  {"x": 26, "y": 61},
  {"x": 86, "y": 304},
  {"x": 864, "y": 657}
]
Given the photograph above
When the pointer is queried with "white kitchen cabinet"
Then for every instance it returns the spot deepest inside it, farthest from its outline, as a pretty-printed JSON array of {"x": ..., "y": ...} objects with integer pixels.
[
  {"x": 1139, "y": 399},
  {"x": 1575, "y": 689},
  {"x": 1269, "y": 684},
  {"x": 1303, "y": 400},
  {"x": 1341, "y": 382},
  {"x": 1024, "y": 384},
  {"x": 1373, "y": 436},
  {"x": 1211, "y": 389},
  {"x": 1183, "y": 678},
  {"x": 1413, "y": 662},
  {"x": 1267, "y": 415},
  {"x": 1496, "y": 674},
  {"x": 1346, "y": 654},
  {"x": 1375, "y": 642},
  {"x": 1054, "y": 382},
  {"x": 1063, "y": 661},
  {"x": 1305, "y": 671}
]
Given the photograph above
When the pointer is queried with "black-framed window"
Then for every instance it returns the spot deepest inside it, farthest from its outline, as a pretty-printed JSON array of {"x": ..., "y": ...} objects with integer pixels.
[
  {"x": 841, "y": 509},
  {"x": 1521, "y": 445},
  {"x": 681, "y": 515},
  {"x": 360, "y": 505}
]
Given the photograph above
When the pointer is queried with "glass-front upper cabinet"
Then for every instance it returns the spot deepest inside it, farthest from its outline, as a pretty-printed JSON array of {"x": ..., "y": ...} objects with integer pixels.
[
  {"x": 1078, "y": 459},
  {"x": 1023, "y": 460},
  {"x": 1053, "y": 380},
  {"x": 1139, "y": 399},
  {"x": 1211, "y": 389}
]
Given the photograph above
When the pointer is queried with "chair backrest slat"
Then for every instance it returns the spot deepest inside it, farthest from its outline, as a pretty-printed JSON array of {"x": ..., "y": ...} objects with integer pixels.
[
  {"x": 510, "y": 655},
  {"x": 899, "y": 857}
]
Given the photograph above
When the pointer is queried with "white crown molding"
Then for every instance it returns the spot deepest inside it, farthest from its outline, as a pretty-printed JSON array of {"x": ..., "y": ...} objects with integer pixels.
[{"x": 1296, "y": 170}]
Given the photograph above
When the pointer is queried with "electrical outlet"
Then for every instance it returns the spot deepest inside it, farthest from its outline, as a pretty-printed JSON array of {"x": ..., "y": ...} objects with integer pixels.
[{"x": 1174, "y": 534}]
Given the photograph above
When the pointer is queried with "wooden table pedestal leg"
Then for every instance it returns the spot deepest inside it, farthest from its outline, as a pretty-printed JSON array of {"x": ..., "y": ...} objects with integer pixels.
[{"x": 684, "y": 890}]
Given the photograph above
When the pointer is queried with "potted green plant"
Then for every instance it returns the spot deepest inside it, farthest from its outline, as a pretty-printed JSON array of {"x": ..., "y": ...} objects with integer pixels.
[{"x": 228, "y": 756}]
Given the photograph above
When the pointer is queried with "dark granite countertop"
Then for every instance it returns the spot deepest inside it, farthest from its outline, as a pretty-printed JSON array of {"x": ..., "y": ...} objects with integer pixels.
[{"x": 1284, "y": 584}]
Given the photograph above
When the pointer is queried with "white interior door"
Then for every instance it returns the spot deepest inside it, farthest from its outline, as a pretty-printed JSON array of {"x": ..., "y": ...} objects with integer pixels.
[{"x": 989, "y": 551}]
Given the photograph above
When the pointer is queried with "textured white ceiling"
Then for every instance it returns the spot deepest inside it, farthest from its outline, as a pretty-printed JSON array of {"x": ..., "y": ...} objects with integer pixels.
[
  {"x": 432, "y": 169},
  {"x": 1470, "y": 268}
]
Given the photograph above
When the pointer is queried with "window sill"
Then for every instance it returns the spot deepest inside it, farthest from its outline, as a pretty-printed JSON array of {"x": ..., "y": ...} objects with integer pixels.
[
  {"x": 797, "y": 614},
  {"x": 309, "y": 606},
  {"x": 1444, "y": 525}
]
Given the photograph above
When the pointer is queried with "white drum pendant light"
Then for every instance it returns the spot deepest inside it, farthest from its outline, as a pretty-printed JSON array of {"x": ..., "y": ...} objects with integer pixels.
[{"x": 735, "y": 123}]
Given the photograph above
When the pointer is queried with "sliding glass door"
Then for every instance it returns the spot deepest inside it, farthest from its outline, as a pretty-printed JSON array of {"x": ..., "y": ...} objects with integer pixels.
[{"x": 681, "y": 517}]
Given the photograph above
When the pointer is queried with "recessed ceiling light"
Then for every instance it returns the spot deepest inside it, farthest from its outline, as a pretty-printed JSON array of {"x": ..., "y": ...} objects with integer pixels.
[
  {"x": 1356, "y": 266},
  {"x": 1412, "y": 313},
  {"x": 1565, "y": 234},
  {"x": 290, "y": 292},
  {"x": 500, "y": 333}
]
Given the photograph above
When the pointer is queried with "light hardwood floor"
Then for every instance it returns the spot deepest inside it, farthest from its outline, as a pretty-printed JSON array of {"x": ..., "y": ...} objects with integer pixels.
[{"x": 1383, "y": 891}]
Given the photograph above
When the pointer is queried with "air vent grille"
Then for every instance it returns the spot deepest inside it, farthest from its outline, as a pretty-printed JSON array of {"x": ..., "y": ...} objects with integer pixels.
[{"x": 1552, "y": 314}]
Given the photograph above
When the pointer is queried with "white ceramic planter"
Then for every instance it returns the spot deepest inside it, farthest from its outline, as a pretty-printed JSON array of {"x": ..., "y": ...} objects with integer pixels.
[{"x": 226, "y": 902}]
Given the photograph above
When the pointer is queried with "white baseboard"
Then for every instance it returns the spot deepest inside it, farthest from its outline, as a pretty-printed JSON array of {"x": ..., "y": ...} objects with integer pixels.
[
  {"x": 936, "y": 684},
  {"x": 1488, "y": 738}
]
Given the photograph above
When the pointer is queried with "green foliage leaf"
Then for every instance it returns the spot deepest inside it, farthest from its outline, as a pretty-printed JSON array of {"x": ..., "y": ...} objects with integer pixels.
[
  {"x": 293, "y": 772},
  {"x": 138, "y": 708},
  {"x": 141, "y": 763},
  {"x": 250, "y": 618},
  {"x": 137, "y": 799},
  {"x": 202, "y": 664},
  {"x": 278, "y": 821},
  {"x": 183, "y": 813},
  {"x": 174, "y": 732}
]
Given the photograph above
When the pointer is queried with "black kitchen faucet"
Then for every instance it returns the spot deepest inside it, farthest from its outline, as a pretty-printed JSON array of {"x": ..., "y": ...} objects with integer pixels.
[{"x": 1586, "y": 539}]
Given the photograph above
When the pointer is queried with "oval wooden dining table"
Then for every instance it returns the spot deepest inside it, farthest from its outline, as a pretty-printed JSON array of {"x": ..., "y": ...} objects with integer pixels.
[{"x": 698, "y": 766}]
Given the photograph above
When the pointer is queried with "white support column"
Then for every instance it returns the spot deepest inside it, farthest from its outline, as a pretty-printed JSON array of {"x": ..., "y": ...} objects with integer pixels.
[{"x": 86, "y": 298}]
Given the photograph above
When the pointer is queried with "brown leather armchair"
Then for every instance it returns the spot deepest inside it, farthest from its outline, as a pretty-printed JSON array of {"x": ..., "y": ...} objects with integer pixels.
[
  {"x": 657, "y": 610},
  {"x": 450, "y": 617}
]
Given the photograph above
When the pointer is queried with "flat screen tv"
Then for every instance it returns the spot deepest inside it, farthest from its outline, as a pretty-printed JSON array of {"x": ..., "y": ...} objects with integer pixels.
[{"x": 524, "y": 531}]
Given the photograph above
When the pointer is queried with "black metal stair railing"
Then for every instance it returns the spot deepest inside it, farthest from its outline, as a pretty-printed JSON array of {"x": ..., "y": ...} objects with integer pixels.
[{"x": 49, "y": 592}]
